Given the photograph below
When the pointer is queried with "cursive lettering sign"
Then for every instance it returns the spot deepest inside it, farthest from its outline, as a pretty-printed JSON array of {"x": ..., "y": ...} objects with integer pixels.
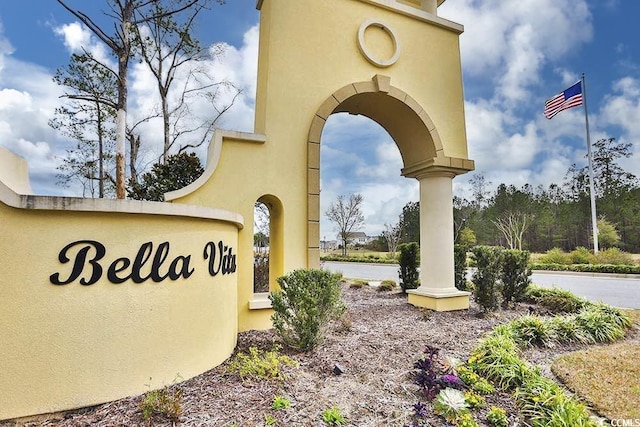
[{"x": 88, "y": 266}]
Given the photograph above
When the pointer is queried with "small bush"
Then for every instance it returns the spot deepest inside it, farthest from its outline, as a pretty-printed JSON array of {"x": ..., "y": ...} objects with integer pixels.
[
  {"x": 163, "y": 403},
  {"x": 497, "y": 417},
  {"x": 333, "y": 417},
  {"x": 408, "y": 260},
  {"x": 387, "y": 286},
  {"x": 514, "y": 276},
  {"x": 555, "y": 299},
  {"x": 581, "y": 255},
  {"x": 555, "y": 256},
  {"x": 306, "y": 302},
  {"x": 357, "y": 284},
  {"x": 614, "y": 256},
  {"x": 260, "y": 365},
  {"x": 346, "y": 322},
  {"x": 280, "y": 402},
  {"x": 485, "y": 279}
]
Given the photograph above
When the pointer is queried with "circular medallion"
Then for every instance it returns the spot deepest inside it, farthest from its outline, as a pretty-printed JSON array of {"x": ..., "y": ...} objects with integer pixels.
[{"x": 364, "y": 49}]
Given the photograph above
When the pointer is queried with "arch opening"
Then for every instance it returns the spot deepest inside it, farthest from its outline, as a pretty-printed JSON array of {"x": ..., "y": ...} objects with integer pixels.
[
  {"x": 406, "y": 122},
  {"x": 268, "y": 261},
  {"x": 358, "y": 156}
]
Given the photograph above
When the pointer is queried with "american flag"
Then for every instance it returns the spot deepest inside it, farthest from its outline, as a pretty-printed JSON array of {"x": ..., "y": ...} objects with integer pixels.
[{"x": 571, "y": 97}]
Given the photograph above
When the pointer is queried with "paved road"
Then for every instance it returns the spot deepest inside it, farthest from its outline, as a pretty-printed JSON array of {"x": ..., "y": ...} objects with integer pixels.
[{"x": 615, "y": 291}]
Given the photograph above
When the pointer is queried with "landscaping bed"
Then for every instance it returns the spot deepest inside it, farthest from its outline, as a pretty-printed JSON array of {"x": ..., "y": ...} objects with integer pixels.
[{"x": 375, "y": 345}]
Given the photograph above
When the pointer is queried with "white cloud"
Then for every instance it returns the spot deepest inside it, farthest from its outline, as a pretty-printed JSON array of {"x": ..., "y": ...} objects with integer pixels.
[
  {"x": 506, "y": 49},
  {"x": 621, "y": 109},
  {"x": 507, "y": 44}
]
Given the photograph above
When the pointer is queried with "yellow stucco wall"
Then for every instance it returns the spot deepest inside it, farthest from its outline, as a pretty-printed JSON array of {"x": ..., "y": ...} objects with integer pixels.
[
  {"x": 309, "y": 49},
  {"x": 68, "y": 346}
]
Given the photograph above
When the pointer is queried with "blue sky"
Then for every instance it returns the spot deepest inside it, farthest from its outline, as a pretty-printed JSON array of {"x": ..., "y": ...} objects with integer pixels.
[{"x": 515, "y": 54}]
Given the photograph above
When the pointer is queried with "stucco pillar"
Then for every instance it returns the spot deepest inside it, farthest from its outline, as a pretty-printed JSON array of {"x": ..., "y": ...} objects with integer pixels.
[{"x": 437, "y": 289}]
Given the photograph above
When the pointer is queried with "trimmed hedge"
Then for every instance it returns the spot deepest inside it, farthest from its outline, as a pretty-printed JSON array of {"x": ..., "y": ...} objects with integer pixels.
[
  {"x": 589, "y": 268},
  {"x": 360, "y": 260}
]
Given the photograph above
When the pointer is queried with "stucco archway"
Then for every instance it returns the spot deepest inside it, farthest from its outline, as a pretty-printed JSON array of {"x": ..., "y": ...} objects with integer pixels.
[{"x": 421, "y": 148}]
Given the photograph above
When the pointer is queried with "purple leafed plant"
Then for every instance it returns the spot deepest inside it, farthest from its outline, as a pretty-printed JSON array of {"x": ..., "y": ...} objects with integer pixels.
[
  {"x": 451, "y": 381},
  {"x": 427, "y": 376},
  {"x": 430, "y": 377}
]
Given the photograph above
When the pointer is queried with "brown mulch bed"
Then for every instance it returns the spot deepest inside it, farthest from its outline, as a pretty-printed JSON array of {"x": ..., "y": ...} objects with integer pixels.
[{"x": 375, "y": 345}]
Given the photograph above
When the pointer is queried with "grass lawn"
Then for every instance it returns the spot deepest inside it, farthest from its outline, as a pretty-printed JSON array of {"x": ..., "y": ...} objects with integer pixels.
[{"x": 608, "y": 377}]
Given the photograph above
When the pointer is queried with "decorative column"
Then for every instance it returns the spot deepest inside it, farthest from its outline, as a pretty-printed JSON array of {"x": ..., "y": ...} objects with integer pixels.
[{"x": 437, "y": 289}]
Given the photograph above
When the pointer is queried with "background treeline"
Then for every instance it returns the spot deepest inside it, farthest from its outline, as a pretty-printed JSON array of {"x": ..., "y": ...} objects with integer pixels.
[{"x": 558, "y": 216}]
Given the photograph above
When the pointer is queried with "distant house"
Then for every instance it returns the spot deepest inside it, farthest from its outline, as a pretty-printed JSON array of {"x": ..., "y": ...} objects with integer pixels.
[
  {"x": 328, "y": 245},
  {"x": 359, "y": 238}
]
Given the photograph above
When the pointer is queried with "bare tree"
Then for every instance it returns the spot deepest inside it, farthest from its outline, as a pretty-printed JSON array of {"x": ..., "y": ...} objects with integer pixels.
[
  {"x": 347, "y": 217},
  {"x": 392, "y": 234},
  {"x": 513, "y": 226},
  {"x": 126, "y": 15},
  {"x": 168, "y": 49}
]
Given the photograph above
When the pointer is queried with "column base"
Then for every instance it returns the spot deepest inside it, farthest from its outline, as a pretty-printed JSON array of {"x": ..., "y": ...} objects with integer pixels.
[{"x": 448, "y": 299}]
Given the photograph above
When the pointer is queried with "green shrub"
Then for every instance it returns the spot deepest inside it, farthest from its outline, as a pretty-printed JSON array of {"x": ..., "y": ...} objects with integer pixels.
[
  {"x": 260, "y": 364},
  {"x": 555, "y": 299},
  {"x": 581, "y": 255},
  {"x": 590, "y": 268},
  {"x": 551, "y": 267},
  {"x": 408, "y": 260},
  {"x": 163, "y": 403},
  {"x": 460, "y": 266},
  {"x": 514, "y": 276},
  {"x": 387, "y": 286},
  {"x": 614, "y": 256},
  {"x": 485, "y": 279},
  {"x": 555, "y": 256},
  {"x": 308, "y": 299}
]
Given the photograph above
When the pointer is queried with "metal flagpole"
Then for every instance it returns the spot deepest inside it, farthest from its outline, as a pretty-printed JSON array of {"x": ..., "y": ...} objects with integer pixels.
[{"x": 594, "y": 221}]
